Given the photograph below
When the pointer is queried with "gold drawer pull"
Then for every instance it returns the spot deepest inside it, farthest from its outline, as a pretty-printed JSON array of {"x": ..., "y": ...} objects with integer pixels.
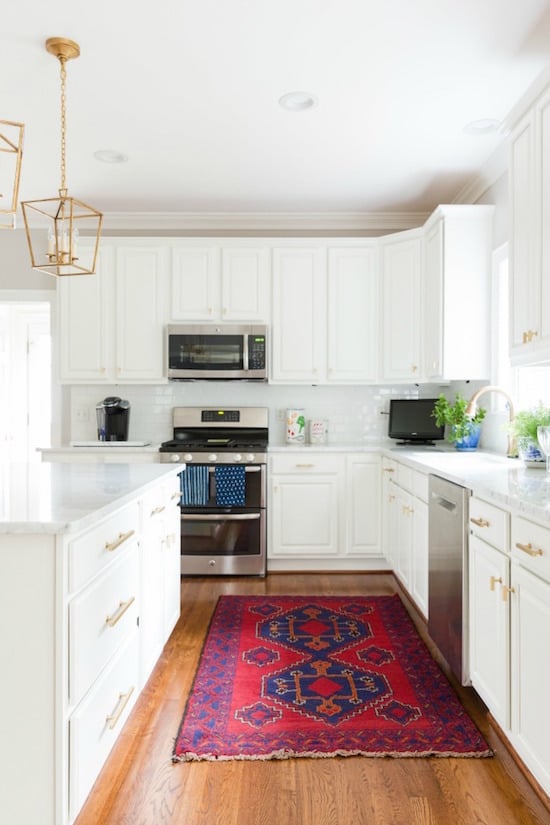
[
  {"x": 305, "y": 466},
  {"x": 119, "y": 612},
  {"x": 113, "y": 717},
  {"x": 493, "y": 580},
  {"x": 176, "y": 495},
  {"x": 158, "y": 510},
  {"x": 122, "y": 537},
  {"x": 480, "y": 522},
  {"x": 529, "y": 549},
  {"x": 505, "y": 591},
  {"x": 388, "y": 470}
]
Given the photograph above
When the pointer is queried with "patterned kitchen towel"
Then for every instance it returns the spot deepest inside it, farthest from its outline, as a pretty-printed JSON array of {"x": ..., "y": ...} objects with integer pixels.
[
  {"x": 194, "y": 486},
  {"x": 230, "y": 485}
]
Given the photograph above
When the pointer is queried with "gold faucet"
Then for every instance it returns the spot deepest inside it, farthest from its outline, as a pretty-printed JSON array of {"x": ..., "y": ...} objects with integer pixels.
[{"x": 472, "y": 406}]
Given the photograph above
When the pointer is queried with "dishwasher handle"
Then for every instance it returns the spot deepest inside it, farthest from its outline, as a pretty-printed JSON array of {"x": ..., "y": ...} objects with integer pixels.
[{"x": 443, "y": 502}]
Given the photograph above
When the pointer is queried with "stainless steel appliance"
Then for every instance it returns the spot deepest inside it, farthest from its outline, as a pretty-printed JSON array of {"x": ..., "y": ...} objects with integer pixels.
[
  {"x": 113, "y": 419},
  {"x": 216, "y": 352},
  {"x": 448, "y": 573},
  {"x": 223, "y": 504}
]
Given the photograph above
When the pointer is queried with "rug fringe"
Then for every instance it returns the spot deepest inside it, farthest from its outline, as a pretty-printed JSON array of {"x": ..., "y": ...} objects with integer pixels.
[{"x": 284, "y": 754}]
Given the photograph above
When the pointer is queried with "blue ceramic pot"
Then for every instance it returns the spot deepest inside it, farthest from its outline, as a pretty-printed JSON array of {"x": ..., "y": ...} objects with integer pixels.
[{"x": 471, "y": 440}]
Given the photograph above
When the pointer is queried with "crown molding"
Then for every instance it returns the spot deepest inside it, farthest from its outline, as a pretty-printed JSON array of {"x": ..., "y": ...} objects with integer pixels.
[
  {"x": 493, "y": 169},
  {"x": 266, "y": 221}
]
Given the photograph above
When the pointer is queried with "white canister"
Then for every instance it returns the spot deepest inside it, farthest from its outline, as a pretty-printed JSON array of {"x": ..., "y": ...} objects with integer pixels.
[
  {"x": 295, "y": 426},
  {"x": 317, "y": 430}
]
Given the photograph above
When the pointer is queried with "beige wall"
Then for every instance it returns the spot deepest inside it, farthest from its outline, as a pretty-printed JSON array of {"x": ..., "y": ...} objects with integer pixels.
[{"x": 15, "y": 267}]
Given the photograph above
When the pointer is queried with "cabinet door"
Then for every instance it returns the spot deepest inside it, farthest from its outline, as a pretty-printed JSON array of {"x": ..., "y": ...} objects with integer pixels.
[
  {"x": 401, "y": 278},
  {"x": 299, "y": 316},
  {"x": 363, "y": 506},
  {"x": 404, "y": 527},
  {"x": 305, "y": 515},
  {"x": 489, "y": 628},
  {"x": 530, "y": 601},
  {"x": 523, "y": 216},
  {"x": 195, "y": 284},
  {"x": 419, "y": 555},
  {"x": 85, "y": 323},
  {"x": 432, "y": 325},
  {"x": 352, "y": 315},
  {"x": 245, "y": 284},
  {"x": 543, "y": 237},
  {"x": 141, "y": 313},
  {"x": 389, "y": 510}
]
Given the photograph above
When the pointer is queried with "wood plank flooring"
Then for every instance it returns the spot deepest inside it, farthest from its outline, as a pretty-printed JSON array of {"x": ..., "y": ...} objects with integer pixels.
[{"x": 139, "y": 785}]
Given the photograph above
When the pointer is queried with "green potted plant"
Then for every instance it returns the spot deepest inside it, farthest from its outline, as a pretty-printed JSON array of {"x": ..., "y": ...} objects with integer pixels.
[
  {"x": 524, "y": 429},
  {"x": 464, "y": 430}
]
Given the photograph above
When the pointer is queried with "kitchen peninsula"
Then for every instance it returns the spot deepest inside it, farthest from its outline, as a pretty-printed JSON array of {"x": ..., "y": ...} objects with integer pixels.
[{"x": 89, "y": 593}]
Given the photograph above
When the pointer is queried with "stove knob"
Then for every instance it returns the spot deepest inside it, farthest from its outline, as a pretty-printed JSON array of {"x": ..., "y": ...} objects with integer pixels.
[
  {"x": 175, "y": 458},
  {"x": 237, "y": 457},
  {"x": 212, "y": 457},
  {"x": 249, "y": 457},
  {"x": 188, "y": 457}
]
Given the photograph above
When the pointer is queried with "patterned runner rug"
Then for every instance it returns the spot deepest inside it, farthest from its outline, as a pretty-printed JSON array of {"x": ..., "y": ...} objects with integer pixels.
[{"x": 287, "y": 676}]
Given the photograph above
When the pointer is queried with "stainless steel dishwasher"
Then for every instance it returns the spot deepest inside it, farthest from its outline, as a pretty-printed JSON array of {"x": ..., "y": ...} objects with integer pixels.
[{"x": 448, "y": 573}]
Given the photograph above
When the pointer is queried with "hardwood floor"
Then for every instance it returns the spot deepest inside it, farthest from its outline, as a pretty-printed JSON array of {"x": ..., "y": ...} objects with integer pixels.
[{"x": 140, "y": 786}]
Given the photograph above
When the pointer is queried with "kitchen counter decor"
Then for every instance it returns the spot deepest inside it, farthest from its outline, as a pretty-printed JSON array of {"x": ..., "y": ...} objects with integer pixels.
[
  {"x": 464, "y": 431},
  {"x": 320, "y": 677}
]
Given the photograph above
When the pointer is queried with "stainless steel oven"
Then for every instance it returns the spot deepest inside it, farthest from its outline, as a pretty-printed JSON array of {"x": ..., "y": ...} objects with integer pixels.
[{"x": 223, "y": 503}]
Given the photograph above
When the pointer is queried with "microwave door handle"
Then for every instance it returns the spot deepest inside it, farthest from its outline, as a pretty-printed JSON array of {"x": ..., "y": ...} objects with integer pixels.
[{"x": 245, "y": 352}]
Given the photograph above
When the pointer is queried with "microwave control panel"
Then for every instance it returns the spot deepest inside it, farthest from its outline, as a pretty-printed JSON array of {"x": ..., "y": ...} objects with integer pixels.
[{"x": 256, "y": 352}]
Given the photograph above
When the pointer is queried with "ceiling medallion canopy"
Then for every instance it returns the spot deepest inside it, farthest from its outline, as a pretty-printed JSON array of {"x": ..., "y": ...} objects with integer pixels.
[
  {"x": 11, "y": 152},
  {"x": 57, "y": 251}
]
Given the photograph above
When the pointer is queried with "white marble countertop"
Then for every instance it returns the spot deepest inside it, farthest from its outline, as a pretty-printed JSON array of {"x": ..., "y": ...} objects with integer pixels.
[{"x": 59, "y": 498}]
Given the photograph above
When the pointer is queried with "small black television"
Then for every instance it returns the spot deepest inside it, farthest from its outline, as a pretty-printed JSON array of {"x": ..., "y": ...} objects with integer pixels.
[{"x": 412, "y": 422}]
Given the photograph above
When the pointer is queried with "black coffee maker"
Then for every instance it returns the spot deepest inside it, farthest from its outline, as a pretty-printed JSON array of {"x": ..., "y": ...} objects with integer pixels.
[{"x": 113, "y": 418}]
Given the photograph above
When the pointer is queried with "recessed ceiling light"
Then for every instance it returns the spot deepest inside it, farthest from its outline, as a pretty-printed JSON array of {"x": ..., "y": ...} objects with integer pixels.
[
  {"x": 485, "y": 126},
  {"x": 110, "y": 156},
  {"x": 298, "y": 101}
]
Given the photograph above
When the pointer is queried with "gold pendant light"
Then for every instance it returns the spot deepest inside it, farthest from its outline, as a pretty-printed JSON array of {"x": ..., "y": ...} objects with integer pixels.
[
  {"x": 11, "y": 152},
  {"x": 57, "y": 251}
]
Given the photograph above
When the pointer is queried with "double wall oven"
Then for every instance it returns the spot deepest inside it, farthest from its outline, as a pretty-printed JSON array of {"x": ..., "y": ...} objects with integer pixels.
[{"x": 223, "y": 502}]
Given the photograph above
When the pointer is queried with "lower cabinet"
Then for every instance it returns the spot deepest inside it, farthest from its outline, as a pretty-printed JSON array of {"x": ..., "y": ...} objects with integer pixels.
[
  {"x": 510, "y": 629},
  {"x": 324, "y": 511}
]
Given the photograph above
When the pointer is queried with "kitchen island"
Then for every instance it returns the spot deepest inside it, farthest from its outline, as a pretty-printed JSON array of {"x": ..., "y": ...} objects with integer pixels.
[{"x": 89, "y": 593}]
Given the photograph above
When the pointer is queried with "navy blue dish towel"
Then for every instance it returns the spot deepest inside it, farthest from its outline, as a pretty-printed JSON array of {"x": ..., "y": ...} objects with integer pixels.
[
  {"x": 230, "y": 485},
  {"x": 194, "y": 486}
]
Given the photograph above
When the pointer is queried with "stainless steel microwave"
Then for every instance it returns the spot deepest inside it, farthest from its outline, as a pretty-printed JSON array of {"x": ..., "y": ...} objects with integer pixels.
[{"x": 216, "y": 352}]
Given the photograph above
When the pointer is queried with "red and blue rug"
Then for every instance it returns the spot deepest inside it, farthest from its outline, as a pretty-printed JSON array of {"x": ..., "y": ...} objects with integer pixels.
[{"x": 283, "y": 677}]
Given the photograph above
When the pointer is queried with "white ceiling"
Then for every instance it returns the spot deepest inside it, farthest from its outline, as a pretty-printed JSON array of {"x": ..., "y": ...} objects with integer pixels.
[{"x": 188, "y": 90}]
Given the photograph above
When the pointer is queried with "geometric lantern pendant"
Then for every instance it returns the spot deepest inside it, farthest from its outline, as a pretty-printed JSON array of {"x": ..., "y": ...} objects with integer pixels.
[
  {"x": 11, "y": 151},
  {"x": 53, "y": 225}
]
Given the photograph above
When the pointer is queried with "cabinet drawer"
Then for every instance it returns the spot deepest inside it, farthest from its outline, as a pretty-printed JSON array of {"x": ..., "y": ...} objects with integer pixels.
[
  {"x": 531, "y": 546},
  {"x": 405, "y": 477},
  {"x": 305, "y": 462},
  {"x": 97, "y": 722},
  {"x": 91, "y": 552},
  {"x": 490, "y": 523},
  {"x": 420, "y": 484},
  {"x": 101, "y": 618}
]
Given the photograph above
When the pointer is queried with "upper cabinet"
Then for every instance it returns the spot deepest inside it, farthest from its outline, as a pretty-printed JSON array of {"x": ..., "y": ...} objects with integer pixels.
[
  {"x": 111, "y": 323},
  {"x": 529, "y": 175},
  {"x": 325, "y": 311},
  {"x": 212, "y": 283}
]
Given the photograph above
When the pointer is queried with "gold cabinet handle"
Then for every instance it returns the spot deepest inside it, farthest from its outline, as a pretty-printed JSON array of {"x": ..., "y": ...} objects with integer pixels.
[
  {"x": 112, "y": 620},
  {"x": 493, "y": 580},
  {"x": 480, "y": 522},
  {"x": 304, "y": 466},
  {"x": 388, "y": 470},
  {"x": 529, "y": 549},
  {"x": 113, "y": 717},
  {"x": 176, "y": 495},
  {"x": 407, "y": 510},
  {"x": 122, "y": 537},
  {"x": 505, "y": 591},
  {"x": 157, "y": 510},
  {"x": 528, "y": 336},
  {"x": 391, "y": 498}
]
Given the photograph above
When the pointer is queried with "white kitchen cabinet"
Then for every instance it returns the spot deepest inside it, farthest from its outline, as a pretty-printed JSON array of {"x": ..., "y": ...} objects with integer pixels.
[
  {"x": 111, "y": 324},
  {"x": 389, "y": 508},
  {"x": 456, "y": 285},
  {"x": 220, "y": 283},
  {"x": 363, "y": 510},
  {"x": 529, "y": 164},
  {"x": 489, "y": 612},
  {"x": 325, "y": 314},
  {"x": 401, "y": 273},
  {"x": 306, "y": 510}
]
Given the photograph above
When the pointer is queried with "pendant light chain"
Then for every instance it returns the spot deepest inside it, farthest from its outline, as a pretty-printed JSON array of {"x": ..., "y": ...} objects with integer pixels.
[{"x": 63, "y": 123}]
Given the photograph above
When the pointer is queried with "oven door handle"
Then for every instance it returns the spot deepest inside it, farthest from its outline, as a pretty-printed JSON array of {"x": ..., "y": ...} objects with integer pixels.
[
  {"x": 220, "y": 517},
  {"x": 251, "y": 468}
]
